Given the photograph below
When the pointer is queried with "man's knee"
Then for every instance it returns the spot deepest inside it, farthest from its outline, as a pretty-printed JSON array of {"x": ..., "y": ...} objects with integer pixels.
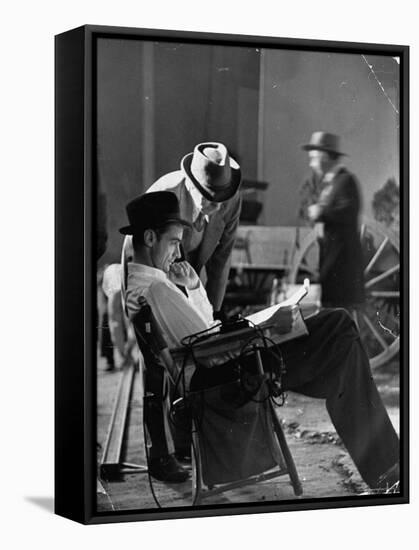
[{"x": 341, "y": 320}]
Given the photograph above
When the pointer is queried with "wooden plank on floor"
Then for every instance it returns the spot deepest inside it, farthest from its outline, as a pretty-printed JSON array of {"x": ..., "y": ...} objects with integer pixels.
[{"x": 111, "y": 458}]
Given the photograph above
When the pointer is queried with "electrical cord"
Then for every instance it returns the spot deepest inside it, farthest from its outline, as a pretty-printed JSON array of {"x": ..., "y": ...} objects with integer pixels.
[
  {"x": 272, "y": 377},
  {"x": 147, "y": 455},
  {"x": 275, "y": 351},
  {"x": 200, "y": 336}
]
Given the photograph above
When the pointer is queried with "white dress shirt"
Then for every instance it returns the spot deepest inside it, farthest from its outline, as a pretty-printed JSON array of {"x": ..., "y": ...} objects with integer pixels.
[{"x": 178, "y": 315}]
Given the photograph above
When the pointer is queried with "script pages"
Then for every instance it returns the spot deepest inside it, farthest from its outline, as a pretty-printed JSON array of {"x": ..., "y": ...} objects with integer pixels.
[{"x": 267, "y": 318}]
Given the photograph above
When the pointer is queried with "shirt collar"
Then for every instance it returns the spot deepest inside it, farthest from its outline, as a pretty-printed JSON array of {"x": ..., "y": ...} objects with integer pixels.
[{"x": 147, "y": 270}]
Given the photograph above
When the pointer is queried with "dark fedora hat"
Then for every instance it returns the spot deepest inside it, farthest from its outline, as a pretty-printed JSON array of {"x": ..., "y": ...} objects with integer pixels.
[
  {"x": 151, "y": 211},
  {"x": 323, "y": 141},
  {"x": 213, "y": 172}
]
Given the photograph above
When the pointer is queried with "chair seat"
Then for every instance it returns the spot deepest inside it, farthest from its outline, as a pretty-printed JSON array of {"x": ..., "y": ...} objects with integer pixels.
[{"x": 235, "y": 437}]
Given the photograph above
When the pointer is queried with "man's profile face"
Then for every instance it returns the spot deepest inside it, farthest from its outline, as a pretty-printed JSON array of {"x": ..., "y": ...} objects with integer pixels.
[
  {"x": 166, "y": 248},
  {"x": 319, "y": 161}
]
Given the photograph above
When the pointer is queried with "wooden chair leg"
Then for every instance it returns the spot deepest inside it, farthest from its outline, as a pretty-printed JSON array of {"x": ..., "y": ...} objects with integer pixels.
[
  {"x": 292, "y": 470},
  {"x": 196, "y": 468}
]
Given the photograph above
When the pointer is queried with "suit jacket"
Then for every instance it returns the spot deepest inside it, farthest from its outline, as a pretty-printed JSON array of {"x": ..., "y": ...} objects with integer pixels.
[
  {"x": 341, "y": 258},
  {"x": 214, "y": 251}
]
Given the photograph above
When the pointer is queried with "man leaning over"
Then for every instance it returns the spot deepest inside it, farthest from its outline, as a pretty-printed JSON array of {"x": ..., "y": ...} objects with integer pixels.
[{"x": 206, "y": 187}]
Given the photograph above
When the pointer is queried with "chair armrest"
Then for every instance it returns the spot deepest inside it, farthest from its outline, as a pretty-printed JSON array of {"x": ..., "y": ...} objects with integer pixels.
[{"x": 218, "y": 344}]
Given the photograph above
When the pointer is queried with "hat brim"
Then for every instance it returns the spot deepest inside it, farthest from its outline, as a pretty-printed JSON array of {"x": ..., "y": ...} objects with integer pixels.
[
  {"x": 214, "y": 195},
  {"x": 131, "y": 230},
  {"x": 310, "y": 147},
  {"x": 127, "y": 230}
]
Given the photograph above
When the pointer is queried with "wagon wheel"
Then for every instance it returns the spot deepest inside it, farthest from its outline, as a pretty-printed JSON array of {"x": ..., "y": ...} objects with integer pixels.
[{"x": 379, "y": 319}]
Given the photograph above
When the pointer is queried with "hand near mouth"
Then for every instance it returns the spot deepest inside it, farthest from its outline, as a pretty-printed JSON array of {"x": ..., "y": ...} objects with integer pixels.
[{"x": 182, "y": 273}]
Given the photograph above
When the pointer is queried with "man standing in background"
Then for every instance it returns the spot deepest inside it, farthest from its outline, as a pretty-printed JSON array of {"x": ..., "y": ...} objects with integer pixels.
[{"x": 332, "y": 200}]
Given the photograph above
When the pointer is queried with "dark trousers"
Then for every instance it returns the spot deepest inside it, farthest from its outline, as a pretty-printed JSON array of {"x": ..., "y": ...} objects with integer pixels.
[
  {"x": 106, "y": 344},
  {"x": 156, "y": 413},
  {"x": 331, "y": 364},
  {"x": 169, "y": 428}
]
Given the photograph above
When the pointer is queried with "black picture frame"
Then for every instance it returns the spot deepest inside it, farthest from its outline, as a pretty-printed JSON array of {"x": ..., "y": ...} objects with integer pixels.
[{"x": 75, "y": 275}]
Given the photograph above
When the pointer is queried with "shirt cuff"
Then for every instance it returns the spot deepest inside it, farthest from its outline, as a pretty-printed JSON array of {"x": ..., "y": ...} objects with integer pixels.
[
  {"x": 199, "y": 298},
  {"x": 198, "y": 292}
]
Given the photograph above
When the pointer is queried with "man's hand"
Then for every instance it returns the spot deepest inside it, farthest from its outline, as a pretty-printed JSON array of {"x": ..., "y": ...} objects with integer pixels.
[
  {"x": 182, "y": 273},
  {"x": 285, "y": 318},
  {"x": 314, "y": 211}
]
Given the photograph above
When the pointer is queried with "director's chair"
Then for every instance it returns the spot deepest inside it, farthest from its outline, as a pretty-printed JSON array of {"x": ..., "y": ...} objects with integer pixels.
[{"x": 237, "y": 438}]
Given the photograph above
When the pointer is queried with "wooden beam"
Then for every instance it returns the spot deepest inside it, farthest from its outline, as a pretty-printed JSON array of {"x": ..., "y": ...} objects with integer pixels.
[{"x": 111, "y": 458}]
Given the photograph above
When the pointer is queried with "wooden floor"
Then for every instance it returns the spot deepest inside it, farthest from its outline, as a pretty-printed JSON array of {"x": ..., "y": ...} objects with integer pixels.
[{"x": 324, "y": 467}]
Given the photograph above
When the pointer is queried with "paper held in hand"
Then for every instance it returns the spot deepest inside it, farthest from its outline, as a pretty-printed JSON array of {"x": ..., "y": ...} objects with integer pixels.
[{"x": 266, "y": 317}]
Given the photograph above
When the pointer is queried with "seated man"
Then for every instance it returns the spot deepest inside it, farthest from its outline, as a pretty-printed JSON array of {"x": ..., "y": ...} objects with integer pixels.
[{"x": 329, "y": 363}]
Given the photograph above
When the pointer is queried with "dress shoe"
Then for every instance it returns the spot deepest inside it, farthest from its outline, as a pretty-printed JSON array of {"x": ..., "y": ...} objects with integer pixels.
[
  {"x": 167, "y": 468},
  {"x": 183, "y": 454}
]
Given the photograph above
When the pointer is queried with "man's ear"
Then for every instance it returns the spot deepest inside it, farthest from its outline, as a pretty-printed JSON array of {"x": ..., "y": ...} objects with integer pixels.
[{"x": 149, "y": 237}]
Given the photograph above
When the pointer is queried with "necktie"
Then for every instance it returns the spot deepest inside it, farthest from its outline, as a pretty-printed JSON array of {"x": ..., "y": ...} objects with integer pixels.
[{"x": 199, "y": 222}]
